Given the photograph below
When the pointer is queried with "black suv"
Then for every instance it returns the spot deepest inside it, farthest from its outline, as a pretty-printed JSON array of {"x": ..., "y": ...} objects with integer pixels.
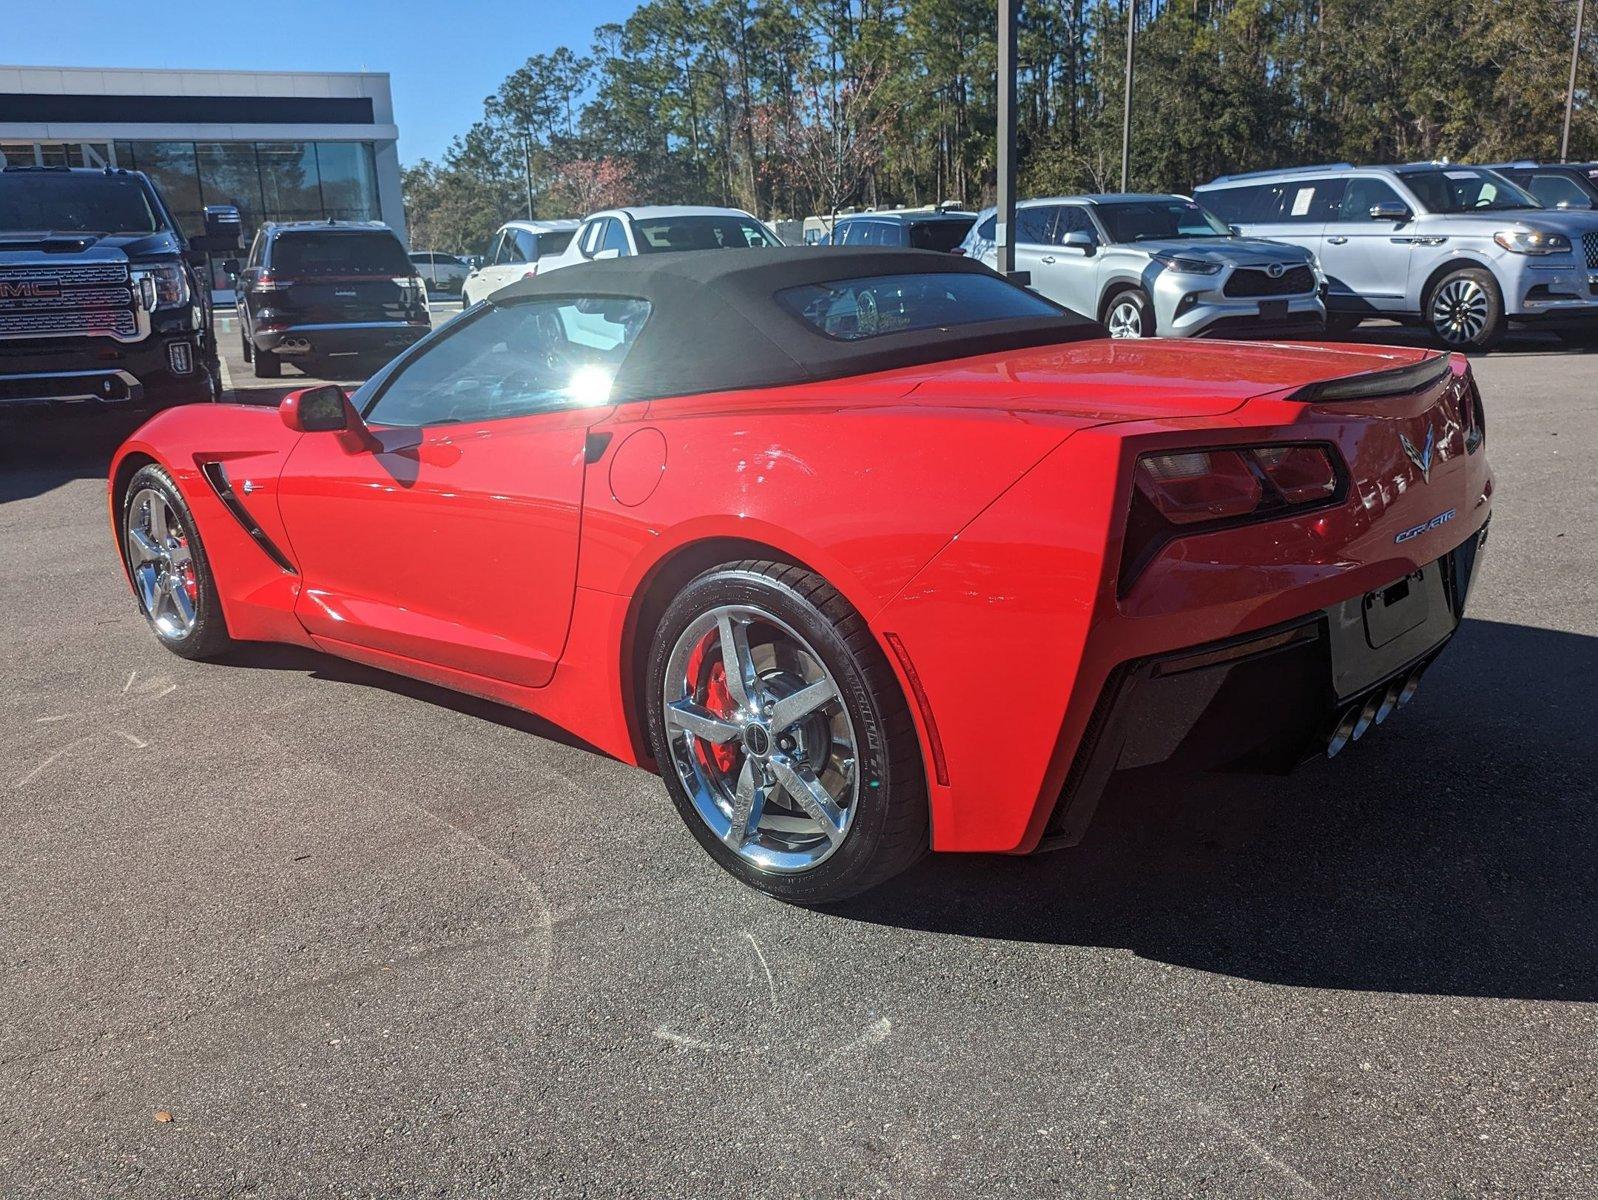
[
  {"x": 313, "y": 290},
  {"x": 104, "y": 302},
  {"x": 1555, "y": 185},
  {"x": 922, "y": 229}
]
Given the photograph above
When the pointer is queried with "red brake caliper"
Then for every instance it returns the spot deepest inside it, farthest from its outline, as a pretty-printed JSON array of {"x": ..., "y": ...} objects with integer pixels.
[{"x": 718, "y": 700}]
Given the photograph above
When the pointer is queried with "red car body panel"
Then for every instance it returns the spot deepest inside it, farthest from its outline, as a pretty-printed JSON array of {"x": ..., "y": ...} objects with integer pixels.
[{"x": 972, "y": 511}]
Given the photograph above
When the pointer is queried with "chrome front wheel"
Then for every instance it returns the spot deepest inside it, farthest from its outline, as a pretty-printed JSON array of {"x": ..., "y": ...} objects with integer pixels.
[
  {"x": 162, "y": 564},
  {"x": 761, "y": 739},
  {"x": 168, "y": 567}
]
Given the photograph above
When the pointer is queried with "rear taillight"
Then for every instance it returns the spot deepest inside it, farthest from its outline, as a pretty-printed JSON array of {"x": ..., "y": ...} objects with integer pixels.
[
  {"x": 267, "y": 282},
  {"x": 1194, "y": 491},
  {"x": 1471, "y": 414}
]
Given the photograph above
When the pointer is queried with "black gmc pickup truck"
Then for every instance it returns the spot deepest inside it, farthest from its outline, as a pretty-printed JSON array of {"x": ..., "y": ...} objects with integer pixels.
[{"x": 103, "y": 301}]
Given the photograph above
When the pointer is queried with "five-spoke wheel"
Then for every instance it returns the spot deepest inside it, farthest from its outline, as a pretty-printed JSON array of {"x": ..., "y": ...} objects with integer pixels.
[
  {"x": 167, "y": 566},
  {"x": 782, "y": 734},
  {"x": 760, "y": 738}
]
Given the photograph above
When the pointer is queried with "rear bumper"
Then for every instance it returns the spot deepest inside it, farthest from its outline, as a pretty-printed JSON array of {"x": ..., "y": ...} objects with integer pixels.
[
  {"x": 355, "y": 337},
  {"x": 91, "y": 375},
  {"x": 1272, "y": 698}
]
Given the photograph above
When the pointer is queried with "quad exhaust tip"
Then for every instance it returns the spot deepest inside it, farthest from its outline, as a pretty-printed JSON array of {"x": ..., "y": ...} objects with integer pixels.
[{"x": 1355, "y": 720}]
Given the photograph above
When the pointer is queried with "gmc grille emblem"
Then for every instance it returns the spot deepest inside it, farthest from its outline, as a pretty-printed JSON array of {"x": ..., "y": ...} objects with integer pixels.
[{"x": 27, "y": 289}]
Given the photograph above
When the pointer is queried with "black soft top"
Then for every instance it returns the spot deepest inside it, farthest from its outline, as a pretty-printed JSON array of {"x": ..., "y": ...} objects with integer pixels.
[{"x": 715, "y": 326}]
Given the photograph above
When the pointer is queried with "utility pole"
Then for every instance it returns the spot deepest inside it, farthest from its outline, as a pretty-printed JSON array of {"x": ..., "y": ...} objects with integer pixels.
[
  {"x": 1004, "y": 225},
  {"x": 1126, "y": 113},
  {"x": 527, "y": 168},
  {"x": 1570, "y": 92}
]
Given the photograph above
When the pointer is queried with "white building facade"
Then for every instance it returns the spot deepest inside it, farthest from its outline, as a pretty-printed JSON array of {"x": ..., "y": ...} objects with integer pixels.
[{"x": 280, "y": 146}]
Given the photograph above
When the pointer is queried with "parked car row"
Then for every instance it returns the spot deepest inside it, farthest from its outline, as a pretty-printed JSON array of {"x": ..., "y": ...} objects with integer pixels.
[{"x": 523, "y": 249}]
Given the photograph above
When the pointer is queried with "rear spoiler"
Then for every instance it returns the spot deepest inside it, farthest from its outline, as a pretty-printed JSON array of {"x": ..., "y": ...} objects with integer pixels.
[{"x": 1398, "y": 381}]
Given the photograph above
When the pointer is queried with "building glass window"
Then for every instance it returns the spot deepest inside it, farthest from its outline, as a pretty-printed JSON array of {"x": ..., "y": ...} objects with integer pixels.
[
  {"x": 349, "y": 180},
  {"x": 291, "y": 190},
  {"x": 229, "y": 175},
  {"x": 171, "y": 166}
]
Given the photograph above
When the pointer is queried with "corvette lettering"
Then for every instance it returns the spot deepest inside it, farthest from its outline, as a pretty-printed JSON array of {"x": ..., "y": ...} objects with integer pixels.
[{"x": 1441, "y": 518}]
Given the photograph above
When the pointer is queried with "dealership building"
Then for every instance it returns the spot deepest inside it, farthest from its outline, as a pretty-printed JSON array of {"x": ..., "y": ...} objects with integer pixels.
[{"x": 281, "y": 146}]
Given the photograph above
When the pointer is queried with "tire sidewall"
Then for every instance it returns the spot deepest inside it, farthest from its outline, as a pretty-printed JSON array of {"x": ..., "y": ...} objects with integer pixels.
[
  {"x": 209, "y": 634},
  {"x": 1492, "y": 330},
  {"x": 835, "y": 877}
]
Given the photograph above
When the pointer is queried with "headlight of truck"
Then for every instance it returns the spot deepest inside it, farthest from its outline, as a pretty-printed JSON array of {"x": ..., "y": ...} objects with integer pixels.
[
  {"x": 1187, "y": 266},
  {"x": 166, "y": 283},
  {"x": 1532, "y": 241}
]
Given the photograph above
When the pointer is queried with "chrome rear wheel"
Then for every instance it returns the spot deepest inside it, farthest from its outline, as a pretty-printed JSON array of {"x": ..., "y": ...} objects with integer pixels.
[{"x": 761, "y": 739}]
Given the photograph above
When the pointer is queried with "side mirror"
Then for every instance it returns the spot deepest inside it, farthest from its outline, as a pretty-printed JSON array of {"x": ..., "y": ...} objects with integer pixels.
[
  {"x": 1389, "y": 211},
  {"x": 224, "y": 230},
  {"x": 324, "y": 409},
  {"x": 230, "y": 268},
  {"x": 1237, "y": 230},
  {"x": 1079, "y": 240},
  {"x": 610, "y": 253}
]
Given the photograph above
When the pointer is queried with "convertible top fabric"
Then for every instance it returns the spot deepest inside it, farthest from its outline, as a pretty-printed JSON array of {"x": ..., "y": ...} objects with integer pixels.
[{"x": 715, "y": 326}]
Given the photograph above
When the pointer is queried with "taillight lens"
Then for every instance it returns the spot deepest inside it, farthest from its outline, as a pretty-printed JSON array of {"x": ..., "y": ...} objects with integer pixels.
[
  {"x": 1199, "y": 486},
  {"x": 1475, "y": 420},
  {"x": 1190, "y": 491},
  {"x": 1302, "y": 474}
]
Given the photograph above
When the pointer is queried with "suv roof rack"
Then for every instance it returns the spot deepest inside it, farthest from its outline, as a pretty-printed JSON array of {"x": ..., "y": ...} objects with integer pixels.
[{"x": 1336, "y": 166}]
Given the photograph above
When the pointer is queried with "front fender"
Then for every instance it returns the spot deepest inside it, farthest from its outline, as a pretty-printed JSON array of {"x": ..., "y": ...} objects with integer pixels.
[{"x": 249, "y": 444}]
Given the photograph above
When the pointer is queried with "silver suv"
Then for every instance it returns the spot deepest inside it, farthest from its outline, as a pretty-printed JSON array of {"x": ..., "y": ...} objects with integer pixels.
[
  {"x": 1147, "y": 265},
  {"x": 1459, "y": 249}
]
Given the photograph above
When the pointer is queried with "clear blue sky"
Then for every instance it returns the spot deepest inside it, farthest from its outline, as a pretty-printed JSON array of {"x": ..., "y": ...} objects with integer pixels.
[{"x": 443, "y": 56}]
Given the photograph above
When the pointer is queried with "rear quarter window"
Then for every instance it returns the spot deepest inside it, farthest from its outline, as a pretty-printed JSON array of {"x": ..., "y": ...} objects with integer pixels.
[{"x": 850, "y": 310}]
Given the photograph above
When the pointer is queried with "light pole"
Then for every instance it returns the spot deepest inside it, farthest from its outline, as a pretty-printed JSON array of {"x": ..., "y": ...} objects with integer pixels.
[
  {"x": 1570, "y": 92},
  {"x": 1126, "y": 111},
  {"x": 1004, "y": 224},
  {"x": 527, "y": 168}
]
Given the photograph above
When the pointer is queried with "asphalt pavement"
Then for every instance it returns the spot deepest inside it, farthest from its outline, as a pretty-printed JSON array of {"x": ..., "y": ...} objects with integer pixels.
[{"x": 285, "y": 926}]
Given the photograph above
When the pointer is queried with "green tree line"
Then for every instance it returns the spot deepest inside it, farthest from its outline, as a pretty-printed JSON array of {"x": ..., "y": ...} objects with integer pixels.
[{"x": 791, "y": 107}]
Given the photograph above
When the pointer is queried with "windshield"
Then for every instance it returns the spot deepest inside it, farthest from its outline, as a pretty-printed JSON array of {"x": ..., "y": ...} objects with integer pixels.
[
  {"x": 39, "y": 201},
  {"x": 657, "y": 234},
  {"x": 848, "y": 310},
  {"x": 339, "y": 254},
  {"x": 942, "y": 235},
  {"x": 1149, "y": 220},
  {"x": 1464, "y": 189}
]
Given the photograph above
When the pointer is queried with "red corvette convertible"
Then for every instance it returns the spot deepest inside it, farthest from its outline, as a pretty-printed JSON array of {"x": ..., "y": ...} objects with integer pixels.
[{"x": 866, "y": 552}]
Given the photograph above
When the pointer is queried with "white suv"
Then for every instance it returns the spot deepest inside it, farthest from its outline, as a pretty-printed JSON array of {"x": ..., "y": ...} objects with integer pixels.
[
  {"x": 620, "y": 232},
  {"x": 519, "y": 249},
  {"x": 1461, "y": 250}
]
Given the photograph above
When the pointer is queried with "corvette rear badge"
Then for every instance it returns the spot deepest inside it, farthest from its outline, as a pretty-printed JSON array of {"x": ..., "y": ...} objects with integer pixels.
[
  {"x": 1441, "y": 518},
  {"x": 1421, "y": 458}
]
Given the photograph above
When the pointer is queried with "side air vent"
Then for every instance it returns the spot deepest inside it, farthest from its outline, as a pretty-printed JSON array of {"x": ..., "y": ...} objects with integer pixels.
[{"x": 216, "y": 476}]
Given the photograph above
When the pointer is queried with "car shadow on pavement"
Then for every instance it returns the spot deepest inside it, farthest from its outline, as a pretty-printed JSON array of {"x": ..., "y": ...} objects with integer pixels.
[
  {"x": 316, "y": 665},
  {"x": 38, "y": 455},
  {"x": 1451, "y": 852}
]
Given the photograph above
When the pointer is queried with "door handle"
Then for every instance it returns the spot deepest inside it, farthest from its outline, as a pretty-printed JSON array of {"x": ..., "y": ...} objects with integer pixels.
[
  {"x": 1047, "y": 258},
  {"x": 1337, "y": 241}
]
